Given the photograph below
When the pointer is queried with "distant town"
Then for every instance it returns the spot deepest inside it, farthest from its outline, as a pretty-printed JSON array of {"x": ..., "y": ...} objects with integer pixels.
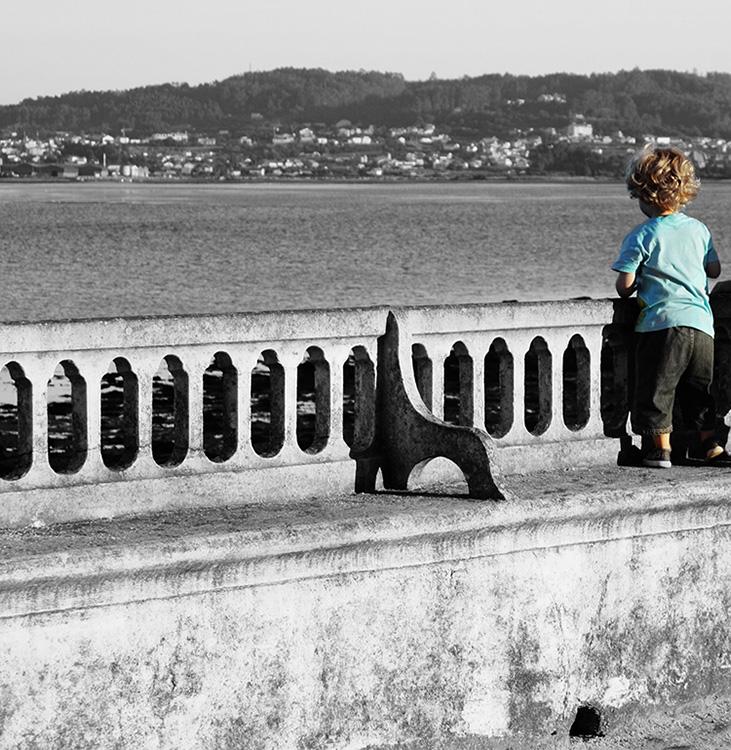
[{"x": 338, "y": 151}]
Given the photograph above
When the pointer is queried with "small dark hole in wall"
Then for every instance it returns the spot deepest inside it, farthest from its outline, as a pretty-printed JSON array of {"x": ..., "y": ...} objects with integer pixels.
[{"x": 586, "y": 724}]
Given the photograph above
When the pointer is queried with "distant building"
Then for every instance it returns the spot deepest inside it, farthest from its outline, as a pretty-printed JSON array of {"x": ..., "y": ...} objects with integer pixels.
[
  {"x": 558, "y": 98},
  {"x": 282, "y": 139},
  {"x": 307, "y": 135},
  {"x": 580, "y": 128},
  {"x": 177, "y": 137}
]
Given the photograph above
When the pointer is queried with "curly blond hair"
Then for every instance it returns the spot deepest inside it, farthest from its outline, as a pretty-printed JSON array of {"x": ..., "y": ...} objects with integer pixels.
[{"x": 662, "y": 177}]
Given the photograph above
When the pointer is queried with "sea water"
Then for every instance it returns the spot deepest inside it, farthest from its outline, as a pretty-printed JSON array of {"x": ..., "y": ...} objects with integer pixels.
[{"x": 82, "y": 250}]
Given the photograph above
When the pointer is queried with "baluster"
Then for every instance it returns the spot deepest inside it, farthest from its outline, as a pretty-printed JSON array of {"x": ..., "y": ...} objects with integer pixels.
[
  {"x": 92, "y": 369},
  {"x": 290, "y": 356},
  {"x": 195, "y": 363},
  {"x": 556, "y": 343},
  {"x": 438, "y": 351},
  {"x": 243, "y": 359},
  {"x": 337, "y": 355},
  {"x": 145, "y": 365},
  {"x": 518, "y": 343},
  {"x": 476, "y": 347},
  {"x": 38, "y": 371},
  {"x": 466, "y": 384},
  {"x": 593, "y": 341}
]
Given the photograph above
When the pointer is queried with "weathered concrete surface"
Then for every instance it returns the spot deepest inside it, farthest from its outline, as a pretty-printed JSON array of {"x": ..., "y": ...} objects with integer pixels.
[
  {"x": 698, "y": 725},
  {"x": 367, "y": 621},
  {"x": 703, "y": 724},
  {"x": 122, "y": 496}
]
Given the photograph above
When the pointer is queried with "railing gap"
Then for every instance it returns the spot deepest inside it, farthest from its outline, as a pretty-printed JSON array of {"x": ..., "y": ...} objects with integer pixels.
[
  {"x": 67, "y": 419},
  {"x": 16, "y": 446},
  {"x": 267, "y": 405},
  {"x": 422, "y": 373},
  {"x": 170, "y": 412},
  {"x": 220, "y": 408},
  {"x": 119, "y": 415},
  {"x": 359, "y": 399},
  {"x": 538, "y": 394},
  {"x": 498, "y": 389},
  {"x": 576, "y": 384},
  {"x": 458, "y": 386},
  {"x": 313, "y": 401}
]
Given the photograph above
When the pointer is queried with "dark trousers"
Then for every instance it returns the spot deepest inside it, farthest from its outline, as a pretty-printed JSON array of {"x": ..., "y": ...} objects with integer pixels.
[{"x": 673, "y": 360}]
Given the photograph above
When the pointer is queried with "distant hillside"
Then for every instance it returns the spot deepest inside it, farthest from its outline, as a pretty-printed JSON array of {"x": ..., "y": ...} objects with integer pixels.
[{"x": 637, "y": 102}]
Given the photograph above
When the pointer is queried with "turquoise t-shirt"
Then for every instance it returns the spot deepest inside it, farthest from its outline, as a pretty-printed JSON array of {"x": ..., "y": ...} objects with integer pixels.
[{"x": 669, "y": 255}]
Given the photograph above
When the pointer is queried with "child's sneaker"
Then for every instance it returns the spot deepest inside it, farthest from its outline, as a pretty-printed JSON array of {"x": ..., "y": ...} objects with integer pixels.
[{"x": 657, "y": 458}]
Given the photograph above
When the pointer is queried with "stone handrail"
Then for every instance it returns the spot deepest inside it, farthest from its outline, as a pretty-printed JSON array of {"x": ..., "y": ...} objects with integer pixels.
[{"x": 538, "y": 385}]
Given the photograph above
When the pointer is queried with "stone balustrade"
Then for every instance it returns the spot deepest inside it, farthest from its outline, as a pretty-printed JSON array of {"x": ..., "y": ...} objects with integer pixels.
[
  {"x": 303, "y": 615},
  {"x": 530, "y": 374},
  {"x": 238, "y": 346},
  {"x": 544, "y": 384}
]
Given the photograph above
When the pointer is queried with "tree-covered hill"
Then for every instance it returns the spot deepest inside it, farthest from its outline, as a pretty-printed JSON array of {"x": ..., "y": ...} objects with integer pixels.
[{"x": 637, "y": 102}]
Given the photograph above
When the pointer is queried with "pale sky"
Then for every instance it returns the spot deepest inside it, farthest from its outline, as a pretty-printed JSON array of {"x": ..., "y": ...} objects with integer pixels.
[{"x": 50, "y": 47}]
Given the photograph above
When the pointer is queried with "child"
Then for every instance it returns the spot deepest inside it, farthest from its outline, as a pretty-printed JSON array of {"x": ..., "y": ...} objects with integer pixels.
[{"x": 667, "y": 260}]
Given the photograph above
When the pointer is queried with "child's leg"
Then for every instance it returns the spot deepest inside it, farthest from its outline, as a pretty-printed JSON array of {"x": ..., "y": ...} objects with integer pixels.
[
  {"x": 661, "y": 358},
  {"x": 662, "y": 441}
]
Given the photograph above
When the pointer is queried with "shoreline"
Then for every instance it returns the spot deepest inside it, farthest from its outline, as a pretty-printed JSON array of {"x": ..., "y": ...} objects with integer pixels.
[
  {"x": 521, "y": 180},
  {"x": 552, "y": 179},
  {"x": 391, "y": 180}
]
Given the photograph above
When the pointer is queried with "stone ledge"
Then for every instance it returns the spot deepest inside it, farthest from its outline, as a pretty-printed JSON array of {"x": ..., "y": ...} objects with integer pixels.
[
  {"x": 123, "y": 496},
  {"x": 195, "y": 551}
]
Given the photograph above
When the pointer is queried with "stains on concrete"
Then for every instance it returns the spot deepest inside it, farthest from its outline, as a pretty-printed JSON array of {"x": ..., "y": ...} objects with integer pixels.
[
  {"x": 530, "y": 713},
  {"x": 8, "y": 706}
]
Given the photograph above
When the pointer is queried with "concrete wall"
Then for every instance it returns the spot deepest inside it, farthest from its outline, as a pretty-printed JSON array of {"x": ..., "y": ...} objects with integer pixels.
[{"x": 356, "y": 622}]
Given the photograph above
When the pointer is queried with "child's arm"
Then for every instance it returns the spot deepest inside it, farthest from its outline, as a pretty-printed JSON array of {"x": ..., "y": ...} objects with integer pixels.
[
  {"x": 626, "y": 283},
  {"x": 713, "y": 269}
]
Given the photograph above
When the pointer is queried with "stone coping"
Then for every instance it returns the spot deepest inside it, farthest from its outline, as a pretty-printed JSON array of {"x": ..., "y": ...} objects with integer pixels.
[
  {"x": 106, "y": 334},
  {"x": 101, "y": 563}
]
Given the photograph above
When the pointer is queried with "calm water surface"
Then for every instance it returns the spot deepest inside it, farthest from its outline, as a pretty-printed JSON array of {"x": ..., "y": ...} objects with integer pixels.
[{"x": 89, "y": 250}]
